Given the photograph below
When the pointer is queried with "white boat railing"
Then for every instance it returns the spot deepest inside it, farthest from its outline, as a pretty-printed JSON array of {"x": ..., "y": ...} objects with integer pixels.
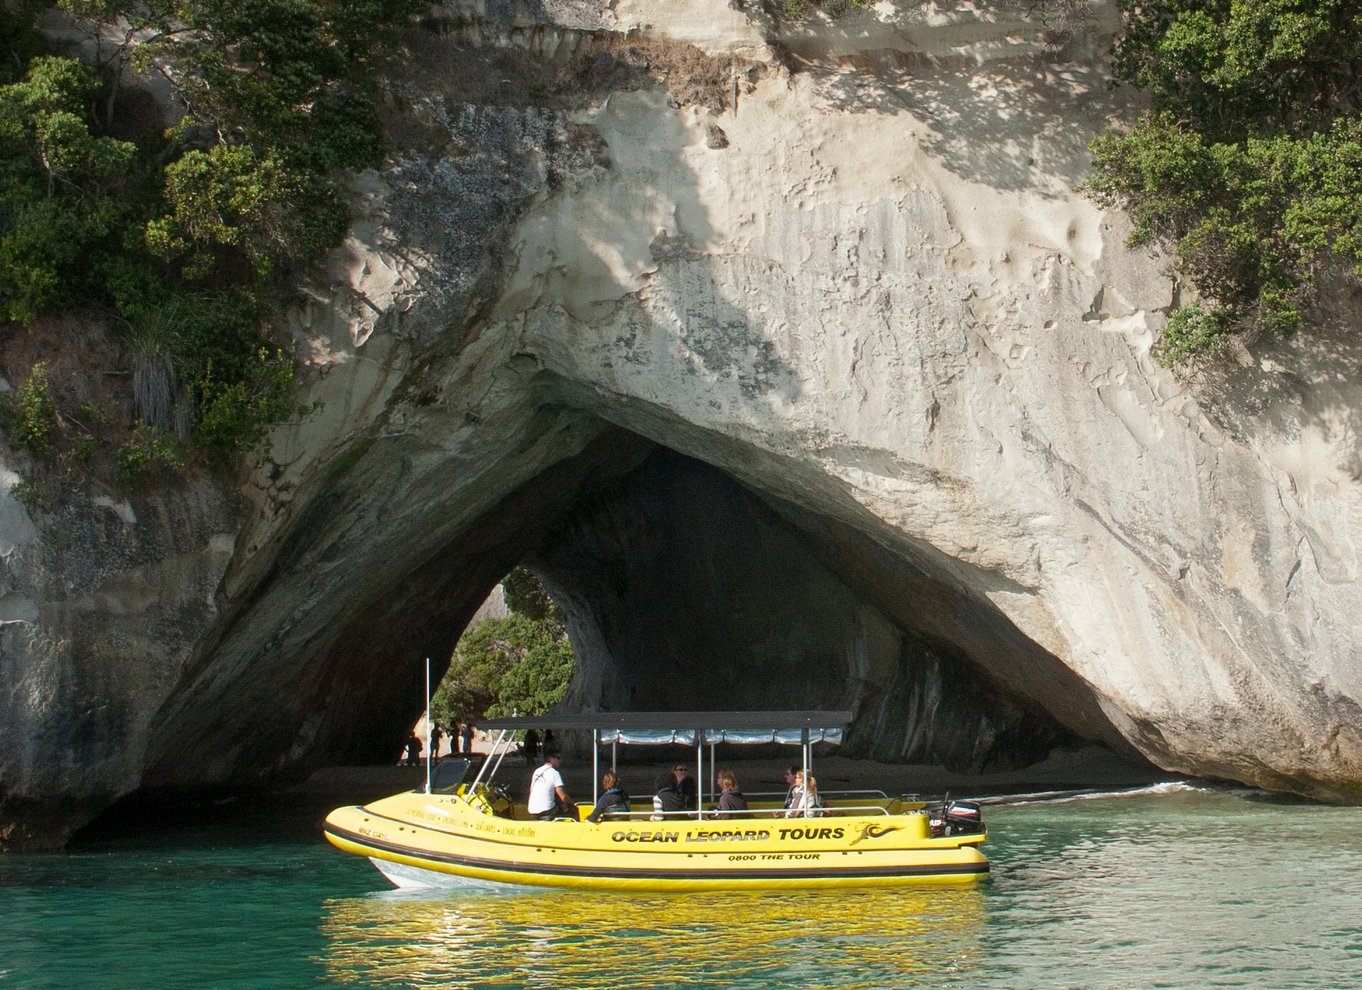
[
  {"x": 755, "y": 814},
  {"x": 866, "y": 792}
]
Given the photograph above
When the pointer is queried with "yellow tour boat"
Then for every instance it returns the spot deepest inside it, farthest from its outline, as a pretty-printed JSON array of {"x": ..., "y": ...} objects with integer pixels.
[{"x": 457, "y": 830}]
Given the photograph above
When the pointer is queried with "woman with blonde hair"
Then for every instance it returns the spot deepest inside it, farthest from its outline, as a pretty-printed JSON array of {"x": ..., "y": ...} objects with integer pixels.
[
  {"x": 612, "y": 801},
  {"x": 805, "y": 802},
  {"x": 732, "y": 803}
]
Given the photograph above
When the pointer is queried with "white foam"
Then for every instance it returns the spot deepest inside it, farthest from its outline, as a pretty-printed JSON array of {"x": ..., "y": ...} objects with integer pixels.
[{"x": 1090, "y": 794}]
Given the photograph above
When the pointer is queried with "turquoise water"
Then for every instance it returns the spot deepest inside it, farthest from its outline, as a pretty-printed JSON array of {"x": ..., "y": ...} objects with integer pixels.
[{"x": 1190, "y": 888}]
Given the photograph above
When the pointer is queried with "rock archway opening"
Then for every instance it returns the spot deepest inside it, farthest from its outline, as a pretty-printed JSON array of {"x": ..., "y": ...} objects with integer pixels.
[{"x": 686, "y": 584}]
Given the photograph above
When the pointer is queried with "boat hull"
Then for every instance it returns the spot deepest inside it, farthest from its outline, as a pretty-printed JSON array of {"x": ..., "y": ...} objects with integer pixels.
[{"x": 430, "y": 840}]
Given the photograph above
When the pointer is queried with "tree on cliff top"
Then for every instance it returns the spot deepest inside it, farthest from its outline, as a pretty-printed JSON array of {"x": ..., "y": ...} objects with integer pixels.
[
  {"x": 521, "y": 663},
  {"x": 1249, "y": 163}
]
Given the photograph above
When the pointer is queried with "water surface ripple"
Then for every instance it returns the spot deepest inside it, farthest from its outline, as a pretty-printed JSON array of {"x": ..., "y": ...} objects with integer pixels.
[{"x": 1184, "y": 888}]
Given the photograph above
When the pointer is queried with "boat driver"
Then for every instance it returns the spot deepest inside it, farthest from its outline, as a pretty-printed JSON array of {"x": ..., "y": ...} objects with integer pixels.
[{"x": 548, "y": 798}]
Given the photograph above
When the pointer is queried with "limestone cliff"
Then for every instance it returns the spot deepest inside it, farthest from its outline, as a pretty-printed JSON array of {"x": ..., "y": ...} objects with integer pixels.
[{"x": 789, "y": 355}]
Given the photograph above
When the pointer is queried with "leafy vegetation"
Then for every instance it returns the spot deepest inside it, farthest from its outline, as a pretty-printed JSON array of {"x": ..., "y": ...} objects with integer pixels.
[
  {"x": 29, "y": 414},
  {"x": 144, "y": 451},
  {"x": 1250, "y": 161},
  {"x": 521, "y": 663},
  {"x": 795, "y": 9},
  {"x": 525, "y": 596},
  {"x": 186, "y": 237}
]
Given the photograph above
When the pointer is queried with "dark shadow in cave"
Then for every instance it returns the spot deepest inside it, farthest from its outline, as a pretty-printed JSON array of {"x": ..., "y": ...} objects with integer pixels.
[
  {"x": 686, "y": 591},
  {"x": 683, "y": 588}
]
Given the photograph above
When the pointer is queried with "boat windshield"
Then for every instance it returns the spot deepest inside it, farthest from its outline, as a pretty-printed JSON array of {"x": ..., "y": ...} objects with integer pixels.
[{"x": 452, "y": 771}]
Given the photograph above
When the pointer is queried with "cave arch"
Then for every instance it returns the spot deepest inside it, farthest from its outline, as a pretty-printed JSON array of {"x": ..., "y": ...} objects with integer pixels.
[{"x": 683, "y": 587}]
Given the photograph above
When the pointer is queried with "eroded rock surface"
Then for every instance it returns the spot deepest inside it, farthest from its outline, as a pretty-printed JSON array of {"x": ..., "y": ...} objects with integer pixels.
[{"x": 886, "y": 372}]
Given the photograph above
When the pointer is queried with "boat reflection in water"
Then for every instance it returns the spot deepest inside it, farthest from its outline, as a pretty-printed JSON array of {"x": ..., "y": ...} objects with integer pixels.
[{"x": 587, "y": 940}]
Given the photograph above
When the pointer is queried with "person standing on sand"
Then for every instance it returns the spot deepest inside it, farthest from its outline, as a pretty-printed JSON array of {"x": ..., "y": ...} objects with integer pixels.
[
  {"x": 413, "y": 750},
  {"x": 467, "y": 736},
  {"x": 435, "y": 736}
]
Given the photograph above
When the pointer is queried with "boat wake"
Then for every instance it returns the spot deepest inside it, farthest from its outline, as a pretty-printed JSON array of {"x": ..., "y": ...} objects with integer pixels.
[{"x": 1092, "y": 794}]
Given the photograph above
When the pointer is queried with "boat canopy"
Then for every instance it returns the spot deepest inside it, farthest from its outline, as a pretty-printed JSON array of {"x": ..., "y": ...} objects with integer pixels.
[
  {"x": 689, "y": 728},
  {"x": 698, "y": 729}
]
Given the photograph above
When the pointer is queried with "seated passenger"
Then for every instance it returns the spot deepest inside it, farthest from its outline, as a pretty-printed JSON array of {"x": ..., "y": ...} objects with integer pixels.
[
  {"x": 790, "y": 773},
  {"x": 805, "y": 802},
  {"x": 732, "y": 804},
  {"x": 548, "y": 799},
  {"x": 612, "y": 801},
  {"x": 667, "y": 802},
  {"x": 685, "y": 786}
]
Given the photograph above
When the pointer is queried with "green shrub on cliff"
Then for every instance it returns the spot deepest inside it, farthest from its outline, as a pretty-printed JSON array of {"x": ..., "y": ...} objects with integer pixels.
[
  {"x": 30, "y": 414},
  {"x": 1249, "y": 163},
  {"x": 795, "y": 9},
  {"x": 145, "y": 451},
  {"x": 208, "y": 222},
  {"x": 61, "y": 189},
  {"x": 525, "y": 595}
]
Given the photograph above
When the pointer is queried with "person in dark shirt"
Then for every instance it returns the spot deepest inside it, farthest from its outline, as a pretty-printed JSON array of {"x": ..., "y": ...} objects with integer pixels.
[
  {"x": 685, "y": 785},
  {"x": 613, "y": 800},
  {"x": 667, "y": 800},
  {"x": 732, "y": 804}
]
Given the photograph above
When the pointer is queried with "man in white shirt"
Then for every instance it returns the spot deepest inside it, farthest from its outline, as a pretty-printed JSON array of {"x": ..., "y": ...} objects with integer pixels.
[{"x": 548, "y": 799}]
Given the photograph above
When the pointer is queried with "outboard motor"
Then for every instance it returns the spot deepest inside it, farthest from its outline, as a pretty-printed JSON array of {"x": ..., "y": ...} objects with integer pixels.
[{"x": 954, "y": 818}]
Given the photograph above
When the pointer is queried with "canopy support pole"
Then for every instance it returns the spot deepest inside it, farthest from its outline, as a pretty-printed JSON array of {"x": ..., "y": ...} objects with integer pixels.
[
  {"x": 806, "y": 753},
  {"x": 699, "y": 772},
  {"x": 488, "y": 762},
  {"x": 427, "y": 725},
  {"x": 713, "y": 769}
]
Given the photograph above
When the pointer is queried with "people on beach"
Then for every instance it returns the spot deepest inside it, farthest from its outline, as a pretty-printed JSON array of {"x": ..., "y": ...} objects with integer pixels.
[
  {"x": 435, "y": 736},
  {"x": 531, "y": 747},
  {"x": 413, "y": 750},
  {"x": 466, "y": 735}
]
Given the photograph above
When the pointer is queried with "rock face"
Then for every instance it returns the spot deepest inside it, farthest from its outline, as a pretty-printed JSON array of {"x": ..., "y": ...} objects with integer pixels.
[{"x": 792, "y": 360}]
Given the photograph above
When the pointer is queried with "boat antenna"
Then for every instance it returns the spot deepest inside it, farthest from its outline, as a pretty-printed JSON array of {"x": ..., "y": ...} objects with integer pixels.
[{"x": 427, "y": 725}]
